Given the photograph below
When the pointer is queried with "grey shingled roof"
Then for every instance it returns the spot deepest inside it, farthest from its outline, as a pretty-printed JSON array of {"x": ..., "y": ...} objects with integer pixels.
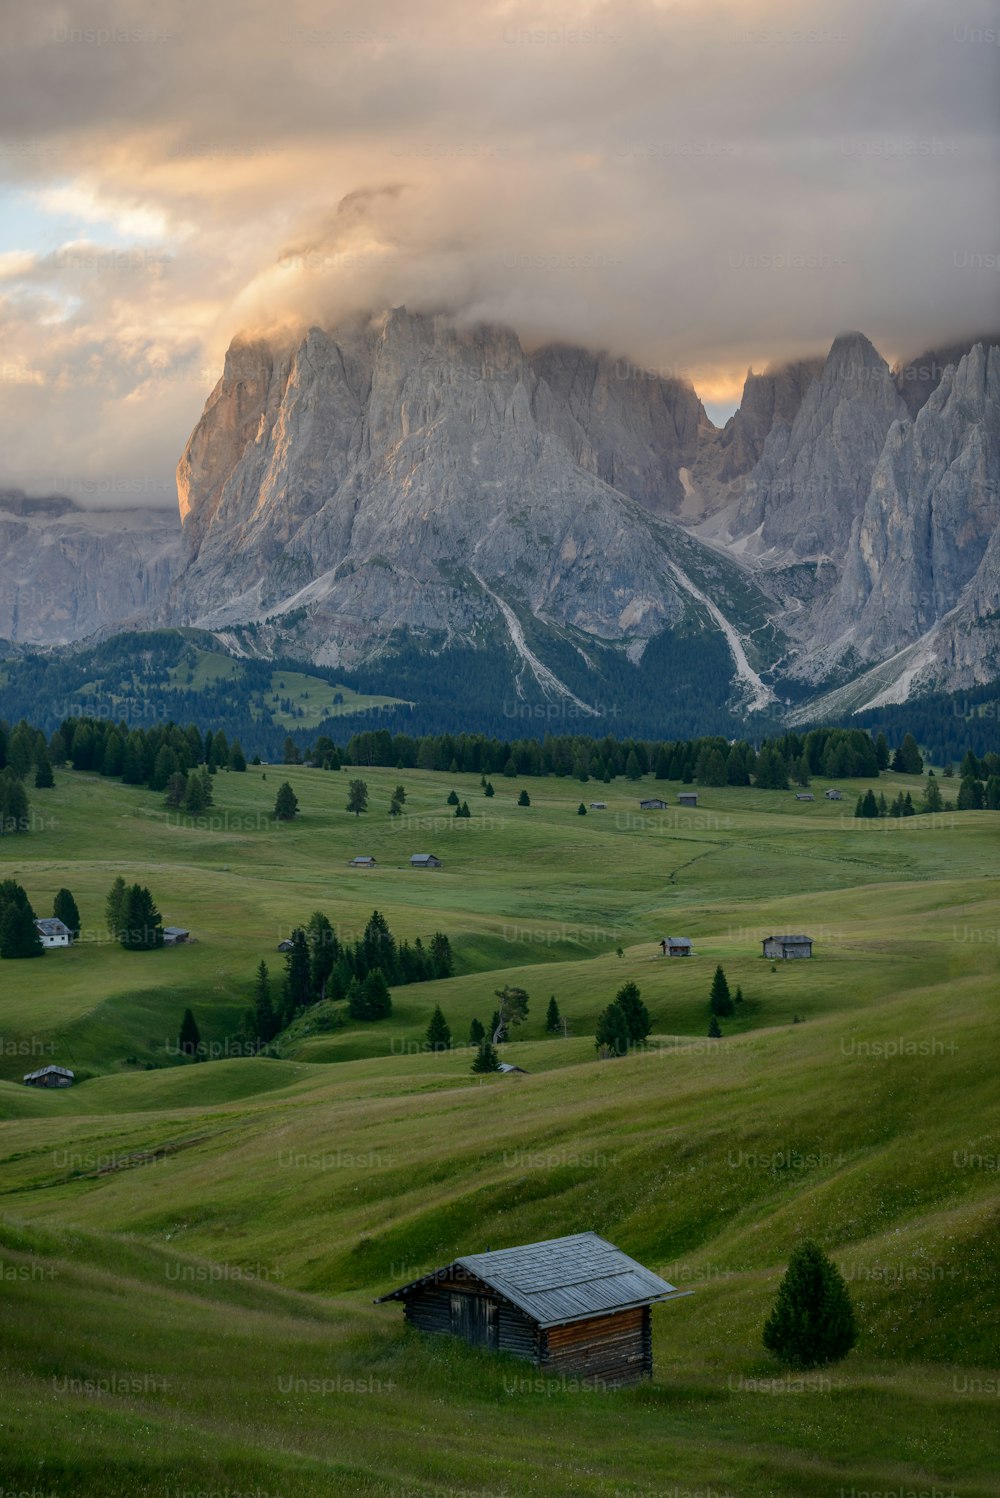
[
  {"x": 560, "y": 1280},
  {"x": 52, "y": 926}
]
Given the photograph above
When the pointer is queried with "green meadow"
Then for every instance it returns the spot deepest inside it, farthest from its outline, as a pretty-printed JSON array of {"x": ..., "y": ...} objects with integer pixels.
[{"x": 189, "y": 1253}]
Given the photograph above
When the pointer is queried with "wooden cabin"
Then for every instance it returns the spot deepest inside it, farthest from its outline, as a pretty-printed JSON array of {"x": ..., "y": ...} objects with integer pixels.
[
  {"x": 424, "y": 861},
  {"x": 804, "y": 796},
  {"x": 687, "y": 798},
  {"x": 652, "y": 803},
  {"x": 676, "y": 946},
  {"x": 573, "y": 1306},
  {"x": 363, "y": 861},
  {"x": 788, "y": 946},
  {"x": 833, "y": 794},
  {"x": 175, "y": 936},
  {"x": 50, "y": 1076}
]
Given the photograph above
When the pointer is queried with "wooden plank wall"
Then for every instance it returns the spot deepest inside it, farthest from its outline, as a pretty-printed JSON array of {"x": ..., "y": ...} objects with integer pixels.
[{"x": 613, "y": 1349}]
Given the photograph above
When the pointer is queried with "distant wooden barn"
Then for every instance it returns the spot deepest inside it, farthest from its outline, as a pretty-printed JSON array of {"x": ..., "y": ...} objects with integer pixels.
[
  {"x": 575, "y": 1305},
  {"x": 175, "y": 936},
  {"x": 50, "y": 1076},
  {"x": 676, "y": 946},
  {"x": 804, "y": 796},
  {"x": 598, "y": 806},
  {"x": 687, "y": 798},
  {"x": 652, "y": 803},
  {"x": 424, "y": 861},
  {"x": 788, "y": 946},
  {"x": 833, "y": 794},
  {"x": 363, "y": 861}
]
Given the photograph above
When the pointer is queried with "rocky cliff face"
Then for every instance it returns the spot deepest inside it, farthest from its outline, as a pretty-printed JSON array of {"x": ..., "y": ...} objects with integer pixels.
[
  {"x": 404, "y": 472},
  {"x": 812, "y": 479},
  {"x": 401, "y": 473},
  {"x": 926, "y": 542},
  {"x": 68, "y": 572}
]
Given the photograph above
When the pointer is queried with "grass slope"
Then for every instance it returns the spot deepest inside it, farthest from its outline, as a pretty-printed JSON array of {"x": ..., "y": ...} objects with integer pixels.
[{"x": 188, "y": 1255}]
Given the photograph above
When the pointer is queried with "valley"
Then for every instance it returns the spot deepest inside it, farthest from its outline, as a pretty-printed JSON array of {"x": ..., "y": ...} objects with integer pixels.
[{"x": 169, "y": 1231}]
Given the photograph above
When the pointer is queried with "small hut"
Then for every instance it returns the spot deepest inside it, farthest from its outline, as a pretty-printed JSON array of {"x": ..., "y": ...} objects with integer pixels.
[
  {"x": 788, "y": 946},
  {"x": 50, "y": 1076},
  {"x": 574, "y": 1305}
]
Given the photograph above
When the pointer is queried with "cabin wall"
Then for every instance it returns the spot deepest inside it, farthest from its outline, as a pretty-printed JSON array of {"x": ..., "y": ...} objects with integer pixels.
[{"x": 613, "y": 1349}]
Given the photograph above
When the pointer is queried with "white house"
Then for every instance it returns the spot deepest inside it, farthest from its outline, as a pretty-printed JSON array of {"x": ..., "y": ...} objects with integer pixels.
[{"x": 54, "y": 932}]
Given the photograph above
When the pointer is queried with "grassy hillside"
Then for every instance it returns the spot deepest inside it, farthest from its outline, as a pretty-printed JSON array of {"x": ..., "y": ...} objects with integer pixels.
[{"x": 189, "y": 1254}]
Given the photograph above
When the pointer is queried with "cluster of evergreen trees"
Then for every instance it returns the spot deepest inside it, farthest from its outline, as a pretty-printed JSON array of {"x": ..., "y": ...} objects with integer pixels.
[
  {"x": 132, "y": 918},
  {"x": 18, "y": 933},
  {"x": 624, "y": 1023},
  {"x": 320, "y": 965}
]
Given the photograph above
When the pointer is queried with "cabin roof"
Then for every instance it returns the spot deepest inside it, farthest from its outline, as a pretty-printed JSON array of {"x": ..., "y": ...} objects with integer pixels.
[
  {"x": 44, "y": 1071},
  {"x": 789, "y": 938},
  {"x": 559, "y": 1280},
  {"x": 52, "y": 926}
]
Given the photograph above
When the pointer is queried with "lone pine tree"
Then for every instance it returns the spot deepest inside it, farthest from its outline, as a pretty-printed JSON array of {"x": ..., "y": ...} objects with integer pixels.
[
  {"x": 812, "y": 1322},
  {"x": 720, "y": 1002},
  {"x": 64, "y": 909},
  {"x": 438, "y": 1032},
  {"x": 189, "y": 1039}
]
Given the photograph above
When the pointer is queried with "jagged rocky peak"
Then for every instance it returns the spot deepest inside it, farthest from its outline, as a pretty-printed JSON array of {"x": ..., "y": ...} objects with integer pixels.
[
  {"x": 917, "y": 379},
  {"x": 360, "y": 471},
  {"x": 812, "y": 479},
  {"x": 768, "y": 399}
]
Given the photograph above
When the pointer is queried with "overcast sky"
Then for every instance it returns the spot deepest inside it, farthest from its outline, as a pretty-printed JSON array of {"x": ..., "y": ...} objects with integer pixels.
[{"x": 696, "y": 186}]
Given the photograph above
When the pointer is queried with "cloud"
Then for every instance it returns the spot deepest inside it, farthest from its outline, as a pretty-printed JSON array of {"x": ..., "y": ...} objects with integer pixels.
[{"x": 696, "y": 186}]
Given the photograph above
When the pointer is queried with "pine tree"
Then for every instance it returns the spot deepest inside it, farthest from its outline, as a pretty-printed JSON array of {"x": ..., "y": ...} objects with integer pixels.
[
  {"x": 612, "y": 1031},
  {"x": 286, "y": 803},
  {"x": 399, "y": 796},
  {"x": 738, "y": 996},
  {"x": 720, "y": 1001},
  {"x": 297, "y": 974},
  {"x": 524, "y": 799},
  {"x": 553, "y": 1019},
  {"x": 497, "y": 1030},
  {"x": 438, "y": 1033},
  {"x": 933, "y": 800},
  {"x": 452, "y": 798},
  {"x": 265, "y": 1022},
  {"x": 714, "y": 1032},
  {"x": 176, "y": 790},
  {"x": 140, "y": 925},
  {"x": 323, "y": 952},
  {"x": 489, "y": 791},
  {"x": 189, "y": 1040},
  {"x": 18, "y": 933},
  {"x": 882, "y": 752},
  {"x": 357, "y": 1006},
  {"x": 486, "y": 1059},
  {"x": 113, "y": 906},
  {"x": 237, "y": 759},
  {"x": 357, "y": 797},
  {"x": 44, "y": 778},
  {"x": 378, "y": 1000},
  {"x": 812, "y": 1322},
  {"x": 64, "y": 909},
  {"x": 632, "y": 769},
  {"x": 636, "y": 1014},
  {"x": 581, "y": 810},
  {"x": 476, "y": 1032},
  {"x": 442, "y": 961}
]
